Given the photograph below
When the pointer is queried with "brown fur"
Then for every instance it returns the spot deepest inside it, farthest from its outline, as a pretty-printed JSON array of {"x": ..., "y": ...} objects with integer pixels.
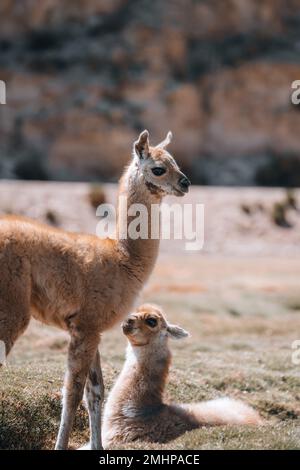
[
  {"x": 79, "y": 283},
  {"x": 136, "y": 408}
]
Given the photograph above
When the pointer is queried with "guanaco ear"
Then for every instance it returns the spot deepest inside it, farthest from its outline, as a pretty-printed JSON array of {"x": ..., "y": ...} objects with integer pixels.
[
  {"x": 166, "y": 141},
  {"x": 141, "y": 146},
  {"x": 176, "y": 332}
]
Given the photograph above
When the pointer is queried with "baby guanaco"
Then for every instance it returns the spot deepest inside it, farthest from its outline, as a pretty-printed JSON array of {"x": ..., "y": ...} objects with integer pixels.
[{"x": 136, "y": 409}]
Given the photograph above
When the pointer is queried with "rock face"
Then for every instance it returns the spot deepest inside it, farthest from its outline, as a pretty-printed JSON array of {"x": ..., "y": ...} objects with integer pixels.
[{"x": 84, "y": 76}]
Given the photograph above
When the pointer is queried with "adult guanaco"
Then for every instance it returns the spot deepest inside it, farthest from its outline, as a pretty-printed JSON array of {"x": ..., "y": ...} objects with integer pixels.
[{"x": 81, "y": 283}]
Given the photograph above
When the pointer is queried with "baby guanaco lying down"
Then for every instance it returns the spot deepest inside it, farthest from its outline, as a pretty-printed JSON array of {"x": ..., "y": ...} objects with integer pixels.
[{"x": 136, "y": 409}]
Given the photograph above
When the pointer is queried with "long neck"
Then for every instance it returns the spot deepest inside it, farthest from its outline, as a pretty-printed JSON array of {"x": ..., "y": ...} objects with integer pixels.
[
  {"x": 141, "y": 252},
  {"x": 142, "y": 381}
]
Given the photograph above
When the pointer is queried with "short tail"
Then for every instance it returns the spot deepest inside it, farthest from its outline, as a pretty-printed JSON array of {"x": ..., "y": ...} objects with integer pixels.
[{"x": 223, "y": 411}]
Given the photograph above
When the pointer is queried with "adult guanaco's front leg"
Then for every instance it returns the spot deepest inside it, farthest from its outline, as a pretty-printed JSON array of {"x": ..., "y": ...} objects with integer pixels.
[
  {"x": 94, "y": 394},
  {"x": 82, "y": 351}
]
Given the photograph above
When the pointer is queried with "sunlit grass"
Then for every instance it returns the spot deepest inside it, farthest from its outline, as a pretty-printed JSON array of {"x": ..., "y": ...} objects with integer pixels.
[{"x": 242, "y": 331}]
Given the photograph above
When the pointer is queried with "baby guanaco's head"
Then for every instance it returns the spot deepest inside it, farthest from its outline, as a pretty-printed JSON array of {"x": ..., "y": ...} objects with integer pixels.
[{"x": 148, "y": 325}]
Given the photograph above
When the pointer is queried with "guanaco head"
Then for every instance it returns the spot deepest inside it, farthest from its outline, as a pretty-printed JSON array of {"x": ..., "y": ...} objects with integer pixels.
[
  {"x": 148, "y": 325},
  {"x": 159, "y": 169}
]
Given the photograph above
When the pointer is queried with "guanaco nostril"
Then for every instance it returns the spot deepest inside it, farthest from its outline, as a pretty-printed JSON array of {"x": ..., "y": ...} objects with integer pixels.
[
  {"x": 128, "y": 324},
  {"x": 184, "y": 182}
]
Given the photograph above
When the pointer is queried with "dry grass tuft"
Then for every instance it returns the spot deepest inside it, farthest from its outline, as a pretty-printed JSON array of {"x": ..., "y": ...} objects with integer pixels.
[{"x": 96, "y": 196}]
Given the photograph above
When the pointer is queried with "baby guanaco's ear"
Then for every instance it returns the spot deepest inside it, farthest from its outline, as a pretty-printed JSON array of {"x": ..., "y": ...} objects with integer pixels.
[
  {"x": 141, "y": 145},
  {"x": 176, "y": 332}
]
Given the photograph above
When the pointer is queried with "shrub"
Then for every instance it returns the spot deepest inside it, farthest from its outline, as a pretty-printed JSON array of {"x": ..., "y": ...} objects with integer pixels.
[
  {"x": 96, "y": 196},
  {"x": 279, "y": 214},
  {"x": 51, "y": 218}
]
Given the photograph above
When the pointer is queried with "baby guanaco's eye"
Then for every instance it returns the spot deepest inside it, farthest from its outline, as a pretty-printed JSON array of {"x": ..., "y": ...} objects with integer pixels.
[
  {"x": 158, "y": 171},
  {"x": 152, "y": 322}
]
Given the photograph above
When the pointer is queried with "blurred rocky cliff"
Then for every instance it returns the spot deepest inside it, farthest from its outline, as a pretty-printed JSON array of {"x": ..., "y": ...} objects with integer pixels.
[{"x": 85, "y": 76}]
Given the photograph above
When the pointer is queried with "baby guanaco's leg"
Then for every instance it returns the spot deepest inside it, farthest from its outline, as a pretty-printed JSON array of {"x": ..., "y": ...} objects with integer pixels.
[{"x": 82, "y": 350}]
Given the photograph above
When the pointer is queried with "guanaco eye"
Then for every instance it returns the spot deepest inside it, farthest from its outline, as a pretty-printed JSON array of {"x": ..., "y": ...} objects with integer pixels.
[
  {"x": 152, "y": 322},
  {"x": 158, "y": 171}
]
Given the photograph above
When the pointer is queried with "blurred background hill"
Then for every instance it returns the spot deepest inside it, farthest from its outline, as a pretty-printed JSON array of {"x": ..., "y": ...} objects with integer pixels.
[{"x": 85, "y": 76}]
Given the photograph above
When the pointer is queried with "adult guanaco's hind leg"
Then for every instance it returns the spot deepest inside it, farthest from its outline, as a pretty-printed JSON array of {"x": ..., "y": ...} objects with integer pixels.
[{"x": 15, "y": 292}]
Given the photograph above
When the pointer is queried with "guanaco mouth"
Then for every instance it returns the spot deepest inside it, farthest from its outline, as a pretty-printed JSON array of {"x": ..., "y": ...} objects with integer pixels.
[{"x": 178, "y": 192}]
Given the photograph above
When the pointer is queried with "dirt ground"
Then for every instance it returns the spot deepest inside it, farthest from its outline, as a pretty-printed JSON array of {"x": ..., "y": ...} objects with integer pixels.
[{"x": 239, "y": 298}]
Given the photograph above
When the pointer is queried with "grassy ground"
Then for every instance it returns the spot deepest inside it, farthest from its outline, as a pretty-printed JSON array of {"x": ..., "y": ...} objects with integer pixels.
[{"x": 243, "y": 315}]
